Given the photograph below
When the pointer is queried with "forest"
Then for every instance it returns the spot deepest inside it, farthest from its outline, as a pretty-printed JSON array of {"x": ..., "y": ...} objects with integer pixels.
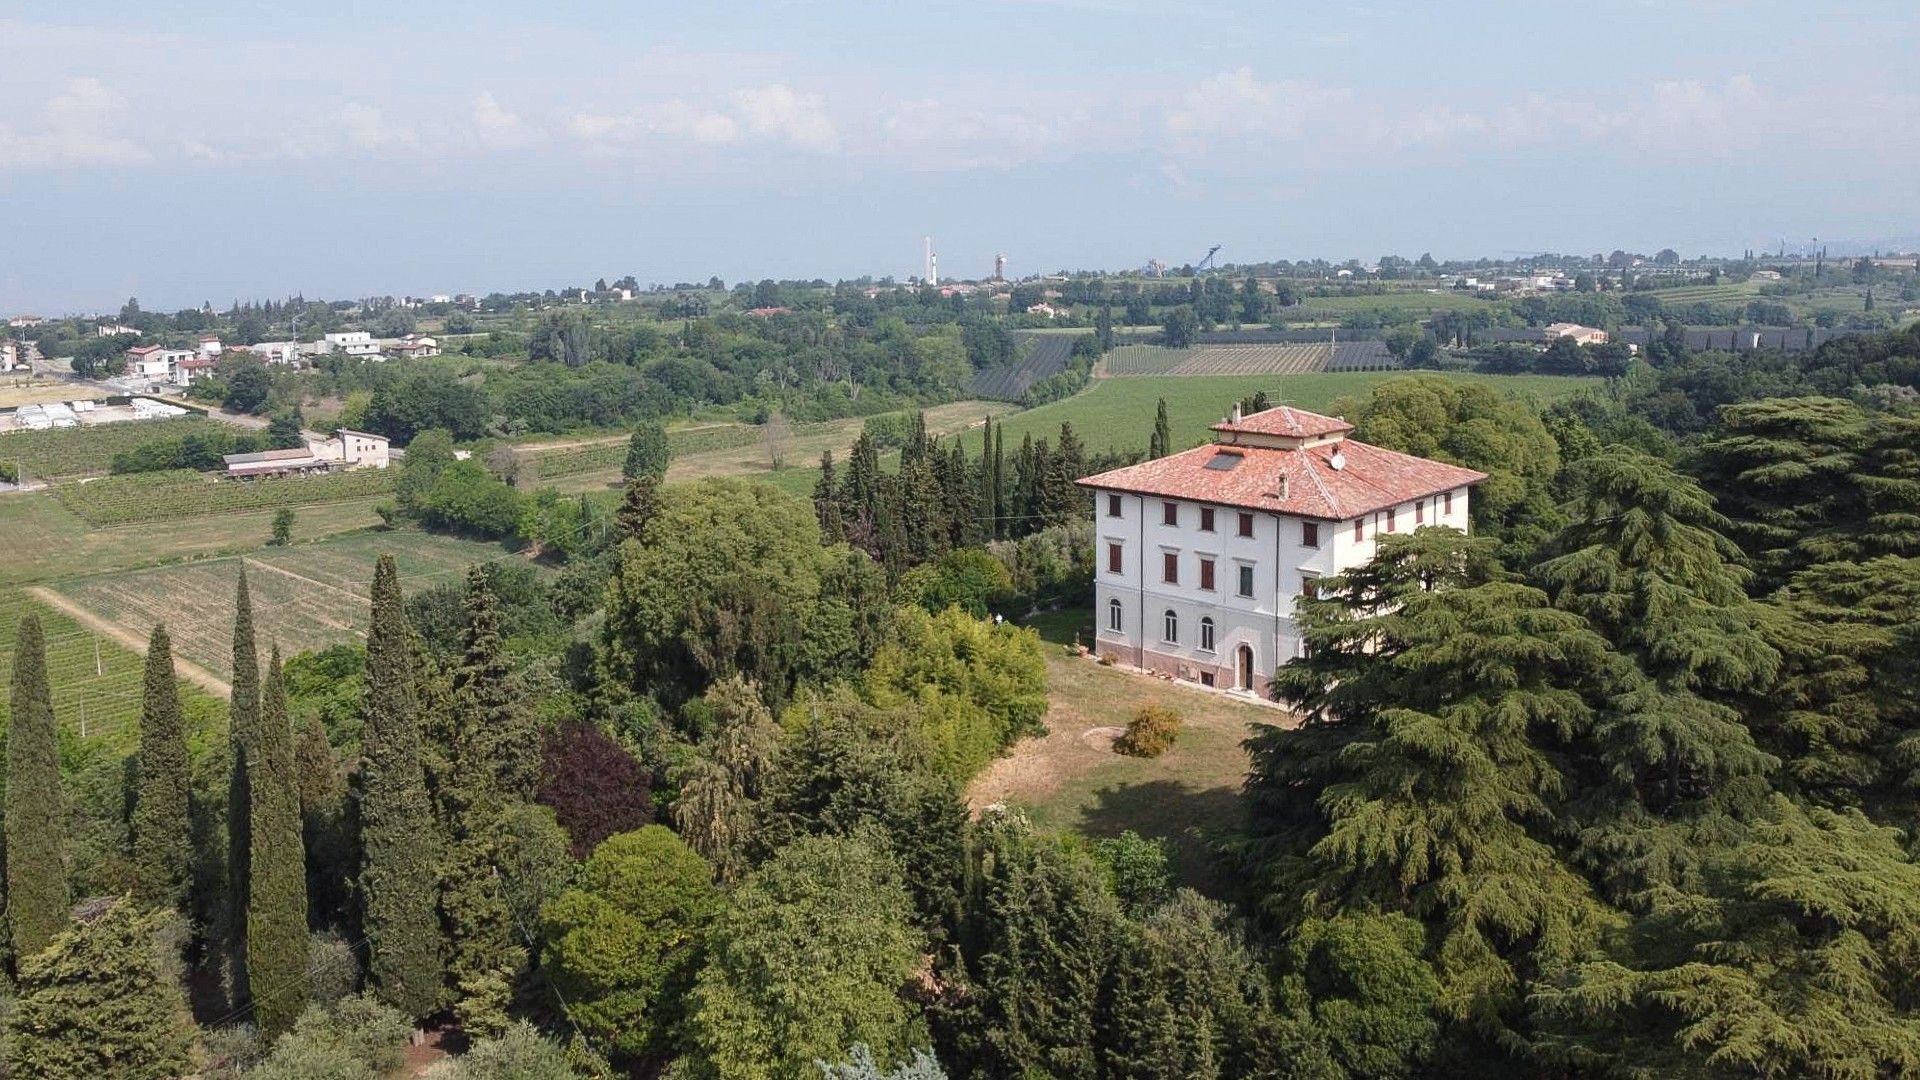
[{"x": 1622, "y": 784}]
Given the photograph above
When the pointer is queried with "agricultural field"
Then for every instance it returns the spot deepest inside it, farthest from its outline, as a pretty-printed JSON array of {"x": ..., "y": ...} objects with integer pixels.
[
  {"x": 1042, "y": 354},
  {"x": 306, "y": 596},
  {"x": 1418, "y": 301},
  {"x": 88, "y": 450},
  {"x": 1117, "y": 414},
  {"x": 44, "y": 540},
  {"x": 1128, "y": 360},
  {"x": 752, "y": 457},
  {"x": 95, "y": 680},
  {"x": 1069, "y": 779},
  {"x": 159, "y": 496},
  {"x": 597, "y": 454},
  {"x": 1726, "y": 293}
]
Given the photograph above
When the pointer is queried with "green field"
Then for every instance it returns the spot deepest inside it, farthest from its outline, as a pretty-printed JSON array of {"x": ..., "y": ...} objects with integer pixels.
[
  {"x": 307, "y": 596},
  {"x": 44, "y": 540},
  {"x": 158, "y": 496},
  {"x": 84, "y": 451},
  {"x": 1117, "y": 414},
  {"x": 94, "y": 679}
]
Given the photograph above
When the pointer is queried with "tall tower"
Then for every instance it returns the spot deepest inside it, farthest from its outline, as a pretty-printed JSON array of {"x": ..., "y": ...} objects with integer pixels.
[
  {"x": 999, "y": 268},
  {"x": 932, "y": 274}
]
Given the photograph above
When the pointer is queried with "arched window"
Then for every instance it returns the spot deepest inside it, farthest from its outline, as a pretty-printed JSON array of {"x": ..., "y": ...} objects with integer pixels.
[
  {"x": 1172, "y": 627},
  {"x": 1113, "y": 615},
  {"x": 1206, "y": 633}
]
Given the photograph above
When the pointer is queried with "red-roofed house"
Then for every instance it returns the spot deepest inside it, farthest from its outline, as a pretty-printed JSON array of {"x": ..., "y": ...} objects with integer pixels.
[{"x": 1201, "y": 554}]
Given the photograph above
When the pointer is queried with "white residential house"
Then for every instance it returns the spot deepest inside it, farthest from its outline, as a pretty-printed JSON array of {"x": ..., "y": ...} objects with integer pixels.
[
  {"x": 276, "y": 352},
  {"x": 353, "y": 343},
  {"x": 193, "y": 369},
  {"x": 414, "y": 345},
  {"x": 208, "y": 345},
  {"x": 24, "y": 322},
  {"x": 114, "y": 330},
  {"x": 156, "y": 362},
  {"x": 10, "y": 357},
  {"x": 1200, "y": 555}
]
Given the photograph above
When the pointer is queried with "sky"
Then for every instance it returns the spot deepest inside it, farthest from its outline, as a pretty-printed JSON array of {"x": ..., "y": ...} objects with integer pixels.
[{"x": 184, "y": 152}]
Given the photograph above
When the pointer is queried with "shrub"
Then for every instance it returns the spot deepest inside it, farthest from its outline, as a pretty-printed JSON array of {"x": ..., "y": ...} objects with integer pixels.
[
  {"x": 333, "y": 971},
  {"x": 593, "y": 785},
  {"x": 1150, "y": 732},
  {"x": 519, "y": 1054},
  {"x": 357, "y": 1039}
]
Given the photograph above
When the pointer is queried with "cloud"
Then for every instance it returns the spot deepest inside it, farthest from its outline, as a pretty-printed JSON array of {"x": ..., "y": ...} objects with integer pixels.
[
  {"x": 933, "y": 134},
  {"x": 366, "y": 128},
  {"x": 774, "y": 113},
  {"x": 497, "y": 127},
  {"x": 76, "y": 127},
  {"x": 777, "y": 110}
]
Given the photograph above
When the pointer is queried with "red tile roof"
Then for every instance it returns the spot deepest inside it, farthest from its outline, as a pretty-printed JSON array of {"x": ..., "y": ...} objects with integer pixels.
[
  {"x": 1286, "y": 420},
  {"x": 1292, "y": 481}
]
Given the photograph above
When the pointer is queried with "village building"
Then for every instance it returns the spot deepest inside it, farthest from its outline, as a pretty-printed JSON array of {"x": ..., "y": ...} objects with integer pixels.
[
  {"x": 1200, "y": 555},
  {"x": 414, "y": 345},
  {"x": 347, "y": 449},
  {"x": 1581, "y": 335},
  {"x": 156, "y": 362},
  {"x": 352, "y": 342}
]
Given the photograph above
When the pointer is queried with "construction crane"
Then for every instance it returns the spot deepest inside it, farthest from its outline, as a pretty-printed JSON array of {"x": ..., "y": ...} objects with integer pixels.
[{"x": 1206, "y": 264}]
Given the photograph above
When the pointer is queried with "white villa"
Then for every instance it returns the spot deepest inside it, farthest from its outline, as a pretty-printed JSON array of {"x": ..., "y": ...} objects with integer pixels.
[{"x": 1201, "y": 554}]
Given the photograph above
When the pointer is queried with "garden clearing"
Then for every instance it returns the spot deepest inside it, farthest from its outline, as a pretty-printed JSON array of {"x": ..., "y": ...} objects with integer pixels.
[{"x": 1068, "y": 780}]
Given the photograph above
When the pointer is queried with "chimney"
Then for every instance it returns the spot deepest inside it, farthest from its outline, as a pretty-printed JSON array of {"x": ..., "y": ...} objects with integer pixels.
[{"x": 1234, "y": 416}]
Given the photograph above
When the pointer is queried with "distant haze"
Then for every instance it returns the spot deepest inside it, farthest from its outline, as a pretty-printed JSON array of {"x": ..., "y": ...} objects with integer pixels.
[{"x": 182, "y": 153}]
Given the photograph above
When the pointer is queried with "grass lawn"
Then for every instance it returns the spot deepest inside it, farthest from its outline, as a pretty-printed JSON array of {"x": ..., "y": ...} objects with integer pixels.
[
  {"x": 1117, "y": 414},
  {"x": 1065, "y": 780}
]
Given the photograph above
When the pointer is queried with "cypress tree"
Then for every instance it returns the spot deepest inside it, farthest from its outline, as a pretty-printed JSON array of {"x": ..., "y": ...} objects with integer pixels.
[
  {"x": 639, "y": 501},
  {"x": 322, "y": 824},
  {"x": 36, "y": 803},
  {"x": 243, "y": 727},
  {"x": 987, "y": 502},
  {"x": 826, "y": 502},
  {"x": 488, "y": 752},
  {"x": 277, "y": 884},
  {"x": 1000, "y": 480},
  {"x": 1161, "y": 442},
  {"x": 397, "y": 871},
  {"x": 162, "y": 837}
]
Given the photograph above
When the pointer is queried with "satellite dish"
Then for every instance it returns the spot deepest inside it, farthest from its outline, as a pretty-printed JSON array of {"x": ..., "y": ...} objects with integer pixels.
[{"x": 1338, "y": 461}]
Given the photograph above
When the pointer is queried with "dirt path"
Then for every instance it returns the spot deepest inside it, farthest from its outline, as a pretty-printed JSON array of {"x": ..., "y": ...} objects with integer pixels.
[
  {"x": 302, "y": 579},
  {"x": 186, "y": 668}
]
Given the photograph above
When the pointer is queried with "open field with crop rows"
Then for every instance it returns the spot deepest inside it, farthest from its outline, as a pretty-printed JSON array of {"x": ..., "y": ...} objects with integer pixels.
[
  {"x": 86, "y": 451},
  {"x": 158, "y": 496},
  {"x": 1042, "y": 353},
  {"x": 1127, "y": 360},
  {"x": 305, "y": 597},
  {"x": 95, "y": 679}
]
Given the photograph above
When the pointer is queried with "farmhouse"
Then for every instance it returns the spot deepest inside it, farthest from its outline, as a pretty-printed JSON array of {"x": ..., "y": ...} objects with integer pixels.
[
  {"x": 1201, "y": 554},
  {"x": 156, "y": 362},
  {"x": 414, "y": 345},
  {"x": 347, "y": 449},
  {"x": 1581, "y": 335}
]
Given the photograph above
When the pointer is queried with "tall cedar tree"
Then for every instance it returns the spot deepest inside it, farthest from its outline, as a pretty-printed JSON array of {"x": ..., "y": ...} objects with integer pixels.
[
  {"x": 99, "y": 1004},
  {"x": 277, "y": 882},
  {"x": 1846, "y": 716},
  {"x": 1423, "y": 777},
  {"x": 1645, "y": 563},
  {"x": 162, "y": 832},
  {"x": 487, "y": 746},
  {"x": 1161, "y": 442},
  {"x": 242, "y": 733},
  {"x": 36, "y": 802},
  {"x": 399, "y": 856}
]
